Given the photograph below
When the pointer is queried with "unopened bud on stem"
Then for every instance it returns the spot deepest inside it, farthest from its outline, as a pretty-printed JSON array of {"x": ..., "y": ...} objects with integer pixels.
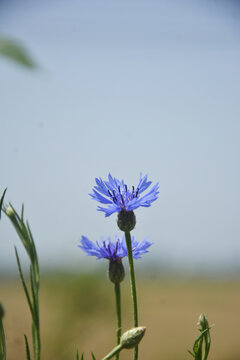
[
  {"x": 126, "y": 220},
  {"x": 132, "y": 337},
  {"x": 203, "y": 322},
  {"x": 128, "y": 340},
  {"x": 116, "y": 271},
  {"x": 9, "y": 211}
]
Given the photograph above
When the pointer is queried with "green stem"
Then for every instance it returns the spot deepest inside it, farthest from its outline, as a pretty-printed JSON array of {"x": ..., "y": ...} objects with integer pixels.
[
  {"x": 2, "y": 342},
  {"x": 118, "y": 312},
  {"x": 24, "y": 232},
  {"x": 133, "y": 284},
  {"x": 207, "y": 343},
  {"x": 115, "y": 351}
]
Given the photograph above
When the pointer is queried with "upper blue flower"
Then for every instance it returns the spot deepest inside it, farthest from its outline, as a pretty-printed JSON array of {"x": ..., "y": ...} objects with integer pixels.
[
  {"x": 105, "y": 249},
  {"x": 117, "y": 196}
]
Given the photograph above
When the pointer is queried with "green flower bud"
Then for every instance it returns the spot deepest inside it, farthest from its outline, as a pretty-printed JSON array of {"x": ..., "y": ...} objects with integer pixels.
[
  {"x": 2, "y": 312},
  {"x": 132, "y": 337},
  {"x": 116, "y": 271},
  {"x": 203, "y": 322},
  {"x": 9, "y": 211},
  {"x": 126, "y": 220}
]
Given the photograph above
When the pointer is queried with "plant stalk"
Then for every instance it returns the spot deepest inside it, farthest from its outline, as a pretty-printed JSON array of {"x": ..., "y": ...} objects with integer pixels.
[
  {"x": 2, "y": 342},
  {"x": 133, "y": 285},
  {"x": 118, "y": 313},
  {"x": 115, "y": 351}
]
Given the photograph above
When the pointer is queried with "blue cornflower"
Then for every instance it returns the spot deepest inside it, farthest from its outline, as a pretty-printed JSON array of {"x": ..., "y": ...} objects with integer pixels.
[
  {"x": 117, "y": 196},
  {"x": 113, "y": 251}
]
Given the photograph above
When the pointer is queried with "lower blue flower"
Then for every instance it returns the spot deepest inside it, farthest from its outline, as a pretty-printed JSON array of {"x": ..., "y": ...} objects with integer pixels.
[{"x": 106, "y": 249}]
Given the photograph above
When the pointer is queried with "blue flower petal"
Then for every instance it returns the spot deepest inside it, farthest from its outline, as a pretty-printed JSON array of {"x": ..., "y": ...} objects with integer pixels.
[
  {"x": 117, "y": 196},
  {"x": 105, "y": 249}
]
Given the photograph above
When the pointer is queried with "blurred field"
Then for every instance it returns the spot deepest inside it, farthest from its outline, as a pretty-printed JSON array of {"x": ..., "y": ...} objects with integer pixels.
[{"x": 78, "y": 311}]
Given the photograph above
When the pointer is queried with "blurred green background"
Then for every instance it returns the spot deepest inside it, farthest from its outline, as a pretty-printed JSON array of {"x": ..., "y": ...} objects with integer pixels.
[{"x": 78, "y": 311}]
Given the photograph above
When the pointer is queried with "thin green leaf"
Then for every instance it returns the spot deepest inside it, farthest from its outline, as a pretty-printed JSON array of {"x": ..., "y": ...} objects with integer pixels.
[
  {"x": 34, "y": 298},
  {"x": 191, "y": 353},
  {"x": 27, "y": 348},
  {"x": 82, "y": 357},
  {"x": 93, "y": 357},
  {"x": 23, "y": 282},
  {"x": 207, "y": 339},
  {"x": 197, "y": 346},
  {"x": 34, "y": 251},
  {"x": 27, "y": 241},
  {"x": 1, "y": 201},
  {"x": 22, "y": 213},
  {"x": 199, "y": 352},
  {"x": 198, "y": 338},
  {"x": 24, "y": 232},
  {"x": 16, "y": 52}
]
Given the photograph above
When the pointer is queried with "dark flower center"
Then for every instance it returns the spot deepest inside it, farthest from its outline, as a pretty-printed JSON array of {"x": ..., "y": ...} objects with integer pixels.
[
  {"x": 112, "y": 253},
  {"x": 123, "y": 196}
]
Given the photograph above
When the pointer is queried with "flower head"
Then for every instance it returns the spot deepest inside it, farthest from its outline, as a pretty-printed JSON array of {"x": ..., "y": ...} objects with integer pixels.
[
  {"x": 105, "y": 249},
  {"x": 116, "y": 195}
]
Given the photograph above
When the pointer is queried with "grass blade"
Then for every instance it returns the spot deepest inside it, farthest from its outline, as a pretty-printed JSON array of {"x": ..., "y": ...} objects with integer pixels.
[
  {"x": 27, "y": 348},
  {"x": 77, "y": 355},
  {"x": 23, "y": 282},
  {"x": 1, "y": 201},
  {"x": 25, "y": 235}
]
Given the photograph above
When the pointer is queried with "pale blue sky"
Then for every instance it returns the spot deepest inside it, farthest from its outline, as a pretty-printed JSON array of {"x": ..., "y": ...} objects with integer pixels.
[{"x": 124, "y": 86}]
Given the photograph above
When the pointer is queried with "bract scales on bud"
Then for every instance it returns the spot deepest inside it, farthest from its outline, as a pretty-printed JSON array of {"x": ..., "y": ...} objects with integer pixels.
[
  {"x": 126, "y": 220},
  {"x": 116, "y": 272},
  {"x": 132, "y": 337}
]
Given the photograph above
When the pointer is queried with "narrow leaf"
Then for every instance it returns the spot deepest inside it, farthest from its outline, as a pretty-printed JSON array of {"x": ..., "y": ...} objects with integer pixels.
[
  {"x": 23, "y": 231},
  {"x": 16, "y": 52},
  {"x": 34, "y": 299},
  {"x": 82, "y": 357},
  {"x": 191, "y": 353},
  {"x": 207, "y": 339},
  {"x": 199, "y": 338},
  {"x": 22, "y": 212},
  {"x": 23, "y": 282},
  {"x": 27, "y": 348},
  {"x": 93, "y": 357},
  {"x": 1, "y": 201}
]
